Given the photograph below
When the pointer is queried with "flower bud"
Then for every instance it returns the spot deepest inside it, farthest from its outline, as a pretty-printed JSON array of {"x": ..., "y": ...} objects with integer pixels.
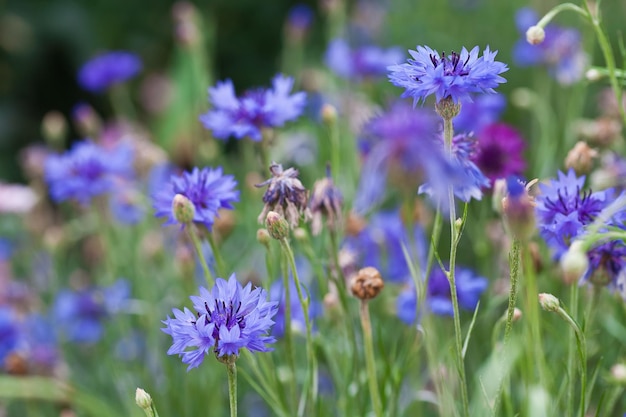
[
  {"x": 54, "y": 128},
  {"x": 329, "y": 114},
  {"x": 183, "y": 209},
  {"x": 593, "y": 74},
  {"x": 535, "y": 35},
  {"x": 447, "y": 108},
  {"x": 574, "y": 263},
  {"x": 549, "y": 302},
  {"x": 580, "y": 158},
  {"x": 618, "y": 373},
  {"x": 263, "y": 237},
  {"x": 300, "y": 234},
  {"x": 367, "y": 283},
  {"x": 143, "y": 399},
  {"x": 518, "y": 209},
  {"x": 517, "y": 314},
  {"x": 276, "y": 225}
]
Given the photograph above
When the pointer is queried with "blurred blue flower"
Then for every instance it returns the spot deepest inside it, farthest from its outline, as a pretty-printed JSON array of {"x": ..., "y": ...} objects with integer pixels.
[
  {"x": 463, "y": 150},
  {"x": 108, "y": 69},
  {"x": 125, "y": 207},
  {"x": 80, "y": 313},
  {"x": 9, "y": 332},
  {"x": 457, "y": 76},
  {"x": 256, "y": 109},
  {"x": 469, "y": 287},
  {"x": 561, "y": 50},
  {"x": 564, "y": 208},
  {"x": 40, "y": 342},
  {"x": 483, "y": 111},
  {"x": 499, "y": 151},
  {"x": 403, "y": 146},
  {"x": 6, "y": 249},
  {"x": 300, "y": 17},
  {"x": 228, "y": 318},
  {"x": 381, "y": 245},
  {"x": 208, "y": 189},
  {"x": 87, "y": 170},
  {"x": 362, "y": 62}
]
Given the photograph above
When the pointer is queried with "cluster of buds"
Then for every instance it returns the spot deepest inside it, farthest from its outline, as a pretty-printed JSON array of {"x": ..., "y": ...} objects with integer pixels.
[{"x": 285, "y": 195}]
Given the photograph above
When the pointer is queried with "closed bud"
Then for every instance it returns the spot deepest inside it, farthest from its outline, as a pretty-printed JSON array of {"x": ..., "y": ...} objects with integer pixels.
[
  {"x": 574, "y": 263},
  {"x": 580, "y": 158},
  {"x": 535, "y": 35},
  {"x": 367, "y": 283},
  {"x": 54, "y": 128},
  {"x": 183, "y": 209},
  {"x": 517, "y": 314},
  {"x": 447, "y": 108},
  {"x": 263, "y": 237},
  {"x": 300, "y": 234},
  {"x": 329, "y": 114},
  {"x": 143, "y": 399},
  {"x": 549, "y": 302},
  {"x": 618, "y": 373},
  {"x": 518, "y": 209},
  {"x": 276, "y": 225},
  {"x": 593, "y": 74}
]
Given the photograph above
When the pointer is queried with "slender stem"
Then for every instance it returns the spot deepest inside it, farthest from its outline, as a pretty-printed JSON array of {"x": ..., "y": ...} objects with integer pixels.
[
  {"x": 232, "y": 387},
  {"x": 454, "y": 240},
  {"x": 571, "y": 356},
  {"x": 304, "y": 302},
  {"x": 514, "y": 266},
  {"x": 288, "y": 331},
  {"x": 334, "y": 150},
  {"x": 219, "y": 261},
  {"x": 370, "y": 360},
  {"x": 196, "y": 244},
  {"x": 533, "y": 316}
]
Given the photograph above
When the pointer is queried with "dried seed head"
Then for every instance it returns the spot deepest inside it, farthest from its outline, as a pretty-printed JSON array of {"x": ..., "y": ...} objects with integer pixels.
[
  {"x": 325, "y": 201},
  {"x": 367, "y": 283},
  {"x": 581, "y": 157}
]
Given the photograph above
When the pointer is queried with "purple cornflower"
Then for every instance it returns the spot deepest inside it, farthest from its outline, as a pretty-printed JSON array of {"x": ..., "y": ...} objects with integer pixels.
[
  {"x": 499, "y": 152},
  {"x": 463, "y": 150},
  {"x": 362, "y": 62},
  {"x": 606, "y": 262},
  {"x": 483, "y": 111},
  {"x": 381, "y": 244},
  {"x": 564, "y": 208},
  {"x": 403, "y": 145},
  {"x": 108, "y": 69},
  {"x": 256, "y": 109},
  {"x": 79, "y": 314},
  {"x": 228, "y": 318},
  {"x": 469, "y": 287},
  {"x": 457, "y": 76},
  {"x": 561, "y": 50},
  {"x": 87, "y": 170},
  {"x": 208, "y": 189}
]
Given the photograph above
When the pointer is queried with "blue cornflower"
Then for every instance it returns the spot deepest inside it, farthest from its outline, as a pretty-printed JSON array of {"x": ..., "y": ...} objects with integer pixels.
[
  {"x": 561, "y": 50},
  {"x": 606, "y": 262},
  {"x": 381, "y": 244},
  {"x": 455, "y": 76},
  {"x": 256, "y": 109},
  {"x": 105, "y": 70},
  {"x": 363, "y": 62},
  {"x": 80, "y": 313},
  {"x": 227, "y": 318},
  {"x": 208, "y": 189},
  {"x": 463, "y": 150},
  {"x": 9, "y": 332},
  {"x": 87, "y": 170},
  {"x": 564, "y": 208},
  {"x": 403, "y": 145},
  {"x": 469, "y": 287}
]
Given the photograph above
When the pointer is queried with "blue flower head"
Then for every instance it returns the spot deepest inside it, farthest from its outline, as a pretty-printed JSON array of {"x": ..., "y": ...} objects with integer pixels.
[
  {"x": 226, "y": 319},
  {"x": 87, "y": 170},
  {"x": 483, "y": 111},
  {"x": 247, "y": 115},
  {"x": 208, "y": 189},
  {"x": 108, "y": 69},
  {"x": 469, "y": 287},
  {"x": 457, "y": 76}
]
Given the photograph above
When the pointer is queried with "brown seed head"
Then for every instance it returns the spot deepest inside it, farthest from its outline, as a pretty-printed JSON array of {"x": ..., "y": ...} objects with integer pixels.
[{"x": 367, "y": 283}]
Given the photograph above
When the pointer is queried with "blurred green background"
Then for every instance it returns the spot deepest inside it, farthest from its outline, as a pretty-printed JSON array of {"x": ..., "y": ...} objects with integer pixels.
[{"x": 44, "y": 42}]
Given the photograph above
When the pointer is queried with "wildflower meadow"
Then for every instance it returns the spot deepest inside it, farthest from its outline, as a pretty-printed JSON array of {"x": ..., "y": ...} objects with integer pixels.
[{"x": 399, "y": 208}]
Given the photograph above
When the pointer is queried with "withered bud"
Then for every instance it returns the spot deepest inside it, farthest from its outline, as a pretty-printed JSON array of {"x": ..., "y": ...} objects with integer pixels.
[
  {"x": 183, "y": 209},
  {"x": 580, "y": 158},
  {"x": 325, "y": 201},
  {"x": 276, "y": 225},
  {"x": 367, "y": 283}
]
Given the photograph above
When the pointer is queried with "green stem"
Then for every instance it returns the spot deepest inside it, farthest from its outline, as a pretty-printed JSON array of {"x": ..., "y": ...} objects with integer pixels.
[
  {"x": 288, "y": 330},
  {"x": 198, "y": 246},
  {"x": 370, "y": 360},
  {"x": 454, "y": 240},
  {"x": 514, "y": 266},
  {"x": 571, "y": 357},
  {"x": 231, "y": 367},
  {"x": 558, "y": 9},
  {"x": 334, "y": 150},
  {"x": 304, "y": 302}
]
